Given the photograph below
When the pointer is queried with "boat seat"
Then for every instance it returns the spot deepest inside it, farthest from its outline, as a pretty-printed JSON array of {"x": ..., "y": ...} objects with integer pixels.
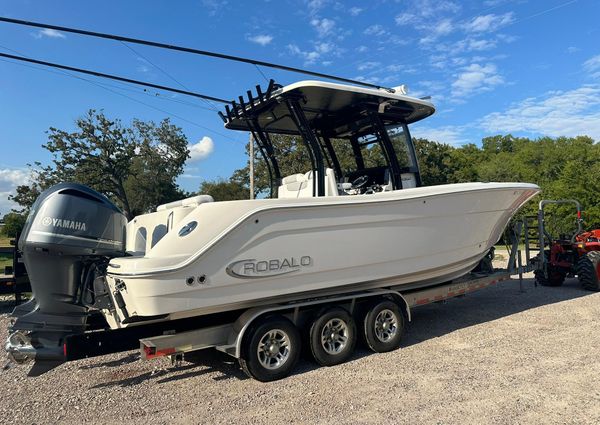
[
  {"x": 301, "y": 185},
  {"x": 331, "y": 188},
  {"x": 292, "y": 186}
]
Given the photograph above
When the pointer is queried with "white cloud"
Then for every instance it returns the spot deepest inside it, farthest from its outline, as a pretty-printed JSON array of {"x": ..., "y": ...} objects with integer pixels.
[
  {"x": 422, "y": 11},
  {"x": 481, "y": 44},
  {"x": 315, "y": 5},
  {"x": 319, "y": 49},
  {"x": 592, "y": 66},
  {"x": 491, "y": 22},
  {"x": 556, "y": 113},
  {"x": 434, "y": 31},
  {"x": 573, "y": 49},
  {"x": 355, "y": 11},
  {"x": 214, "y": 6},
  {"x": 46, "y": 32},
  {"x": 451, "y": 135},
  {"x": 323, "y": 26},
  {"x": 262, "y": 39},
  {"x": 9, "y": 180},
  {"x": 368, "y": 65},
  {"x": 476, "y": 78},
  {"x": 406, "y": 19},
  {"x": 202, "y": 149},
  {"x": 375, "y": 30}
]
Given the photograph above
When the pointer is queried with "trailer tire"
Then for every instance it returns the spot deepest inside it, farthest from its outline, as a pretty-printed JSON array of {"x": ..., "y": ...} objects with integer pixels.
[
  {"x": 332, "y": 337},
  {"x": 271, "y": 349},
  {"x": 383, "y": 326},
  {"x": 587, "y": 271}
]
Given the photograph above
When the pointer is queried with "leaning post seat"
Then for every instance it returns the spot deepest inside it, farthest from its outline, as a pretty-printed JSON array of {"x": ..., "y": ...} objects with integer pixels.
[
  {"x": 301, "y": 185},
  {"x": 291, "y": 186}
]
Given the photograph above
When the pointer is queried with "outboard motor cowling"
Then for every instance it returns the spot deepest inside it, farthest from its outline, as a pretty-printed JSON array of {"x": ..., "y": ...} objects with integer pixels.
[{"x": 70, "y": 230}]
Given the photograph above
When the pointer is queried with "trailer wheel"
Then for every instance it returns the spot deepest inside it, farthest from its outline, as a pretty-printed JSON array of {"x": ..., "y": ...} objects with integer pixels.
[
  {"x": 383, "y": 326},
  {"x": 332, "y": 337},
  {"x": 272, "y": 349},
  {"x": 587, "y": 271}
]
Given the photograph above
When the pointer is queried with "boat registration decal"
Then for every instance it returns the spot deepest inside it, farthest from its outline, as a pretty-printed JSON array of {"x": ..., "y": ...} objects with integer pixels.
[{"x": 253, "y": 269}]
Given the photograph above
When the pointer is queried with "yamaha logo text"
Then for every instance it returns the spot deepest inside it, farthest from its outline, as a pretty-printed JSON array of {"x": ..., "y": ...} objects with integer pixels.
[
  {"x": 252, "y": 269},
  {"x": 64, "y": 223}
]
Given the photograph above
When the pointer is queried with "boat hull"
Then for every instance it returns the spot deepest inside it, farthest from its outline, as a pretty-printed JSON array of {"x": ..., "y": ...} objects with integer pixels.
[{"x": 279, "y": 249}]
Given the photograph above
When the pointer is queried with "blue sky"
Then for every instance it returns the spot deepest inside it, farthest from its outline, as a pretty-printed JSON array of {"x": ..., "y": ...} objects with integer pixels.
[{"x": 530, "y": 68}]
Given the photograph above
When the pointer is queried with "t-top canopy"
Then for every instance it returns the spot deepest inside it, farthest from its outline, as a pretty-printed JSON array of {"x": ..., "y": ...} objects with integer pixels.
[{"x": 332, "y": 109}]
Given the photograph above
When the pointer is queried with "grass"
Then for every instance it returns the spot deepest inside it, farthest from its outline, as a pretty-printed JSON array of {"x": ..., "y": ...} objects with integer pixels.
[
  {"x": 4, "y": 240},
  {"x": 5, "y": 260}
]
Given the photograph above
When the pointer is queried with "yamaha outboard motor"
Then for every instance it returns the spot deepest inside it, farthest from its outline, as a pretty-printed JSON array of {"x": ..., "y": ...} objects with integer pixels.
[{"x": 70, "y": 234}]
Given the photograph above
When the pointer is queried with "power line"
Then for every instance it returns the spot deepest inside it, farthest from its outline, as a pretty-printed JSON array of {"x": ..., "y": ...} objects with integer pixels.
[
  {"x": 189, "y": 50},
  {"x": 125, "y": 87},
  {"x": 112, "y": 77},
  {"x": 106, "y": 87},
  {"x": 164, "y": 72},
  {"x": 261, "y": 73}
]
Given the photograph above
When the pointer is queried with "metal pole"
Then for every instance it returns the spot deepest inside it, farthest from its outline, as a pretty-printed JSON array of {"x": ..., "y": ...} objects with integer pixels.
[
  {"x": 251, "y": 166},
  {"x": 520, "y": 266}
]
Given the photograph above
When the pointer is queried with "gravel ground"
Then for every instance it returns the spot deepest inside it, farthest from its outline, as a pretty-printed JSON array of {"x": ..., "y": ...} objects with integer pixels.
[{"x": 495, "y": 356}]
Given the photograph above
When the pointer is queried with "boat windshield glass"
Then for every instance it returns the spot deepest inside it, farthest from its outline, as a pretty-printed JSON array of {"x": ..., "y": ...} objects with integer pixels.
[
  {"x": 371, "y": 151},
  {"x": 397, "y": 136}
]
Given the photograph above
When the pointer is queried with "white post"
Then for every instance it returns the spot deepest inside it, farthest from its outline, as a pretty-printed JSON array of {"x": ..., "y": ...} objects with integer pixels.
[{"x": 251, "y": 166}]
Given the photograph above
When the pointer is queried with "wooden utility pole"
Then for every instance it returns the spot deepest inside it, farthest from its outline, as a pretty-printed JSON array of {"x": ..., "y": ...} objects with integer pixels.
[{"x": 251, "y": 166}]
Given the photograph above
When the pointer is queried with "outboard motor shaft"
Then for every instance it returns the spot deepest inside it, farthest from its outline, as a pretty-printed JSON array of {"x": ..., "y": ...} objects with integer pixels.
[{"x": 70, "y": 230}]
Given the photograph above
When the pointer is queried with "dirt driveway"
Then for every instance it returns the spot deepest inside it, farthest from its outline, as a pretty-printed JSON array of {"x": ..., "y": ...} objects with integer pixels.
[{"x": 496, "y": 356}]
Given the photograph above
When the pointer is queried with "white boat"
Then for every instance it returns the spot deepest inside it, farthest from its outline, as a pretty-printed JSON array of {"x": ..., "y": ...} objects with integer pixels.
[
  {"x": 241, "y": 252},
  {"x": 220, "y": 256},
  {"x": 330, "y": 229}
]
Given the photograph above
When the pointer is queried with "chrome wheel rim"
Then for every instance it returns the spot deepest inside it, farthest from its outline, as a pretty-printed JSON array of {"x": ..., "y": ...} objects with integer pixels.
[
  {"x": 334, "y": 336},
  {"x": 386, "y": 325},
  {"x": 273, "y": 349}
]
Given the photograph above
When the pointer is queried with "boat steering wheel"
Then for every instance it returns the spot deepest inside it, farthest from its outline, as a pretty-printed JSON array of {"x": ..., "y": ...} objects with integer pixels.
[{"x": 360, "y": 182}]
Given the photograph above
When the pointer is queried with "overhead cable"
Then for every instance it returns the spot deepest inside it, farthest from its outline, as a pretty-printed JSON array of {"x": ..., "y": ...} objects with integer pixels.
[
  {"x": 112, "y": 77},
  {"x": 190, "y": 50}
]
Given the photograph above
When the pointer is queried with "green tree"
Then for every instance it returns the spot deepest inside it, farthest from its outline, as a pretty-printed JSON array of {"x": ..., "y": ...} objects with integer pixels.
[
  {"x": 435, "y": 162},
  {"x": 135, "y": 166},
  {"x": 13, "y": 224},
  {"x": 225, "y": 190}
]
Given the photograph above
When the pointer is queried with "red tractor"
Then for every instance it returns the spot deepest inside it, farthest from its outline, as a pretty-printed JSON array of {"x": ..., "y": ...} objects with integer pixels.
[{"x": 577, "y": 255}]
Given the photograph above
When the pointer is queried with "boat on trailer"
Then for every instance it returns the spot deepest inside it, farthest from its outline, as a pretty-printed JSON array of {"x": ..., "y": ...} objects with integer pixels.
[{"x": 359, "y": 219}]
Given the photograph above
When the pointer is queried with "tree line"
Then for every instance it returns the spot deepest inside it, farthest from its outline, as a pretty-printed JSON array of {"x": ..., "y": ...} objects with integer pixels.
[{"x": 137, "y": 166}]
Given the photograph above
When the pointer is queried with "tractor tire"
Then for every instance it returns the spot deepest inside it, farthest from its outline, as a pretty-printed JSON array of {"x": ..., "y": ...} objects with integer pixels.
[
  {"x": 555, "y": 278},
  {"x": 587, "y": 271}
]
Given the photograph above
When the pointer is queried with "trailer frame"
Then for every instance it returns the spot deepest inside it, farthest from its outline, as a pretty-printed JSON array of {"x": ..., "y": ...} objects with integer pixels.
[{"x": 227, "y": 331}]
